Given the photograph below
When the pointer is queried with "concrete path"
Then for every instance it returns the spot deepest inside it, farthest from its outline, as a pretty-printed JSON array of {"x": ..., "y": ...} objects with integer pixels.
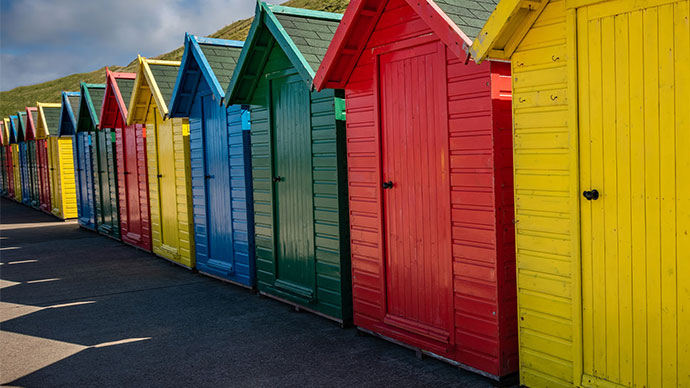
[{"x": 79, "y": 309}]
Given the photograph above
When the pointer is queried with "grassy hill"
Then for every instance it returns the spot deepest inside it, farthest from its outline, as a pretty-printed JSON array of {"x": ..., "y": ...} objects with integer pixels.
[{"x": 18, "y": 98}]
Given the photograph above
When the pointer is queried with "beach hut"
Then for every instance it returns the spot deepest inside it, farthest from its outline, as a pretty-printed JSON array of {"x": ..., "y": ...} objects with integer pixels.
[
  {"x": 105, "y": 174},
  {"x": 430, "y": 180},
  {"x": 4, "y": 142},
  {"x": 63, "y": 201},
  {"x": 16, "y": 174},
  {"x": 220, "y": 162},
  {"x": 168, "y": 161},
  {"x": 602, "y": 187},
  {"x": 91, "y": 99},
  {"x": 31, "y": 153},
  {"x": 18, "y": 122},
  {"x": 43, "y": 161},
  {"x": 130, "y": 149},
  {"x": 298, "y": 161},
  {"x": 9, "y": 158}
]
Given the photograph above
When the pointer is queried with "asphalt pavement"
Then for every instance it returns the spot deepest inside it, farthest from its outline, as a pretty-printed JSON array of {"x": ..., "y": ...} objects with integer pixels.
[{"x": 81, "y": 310}]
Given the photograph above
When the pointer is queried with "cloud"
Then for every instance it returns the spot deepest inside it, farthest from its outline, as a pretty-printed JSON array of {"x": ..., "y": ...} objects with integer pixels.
[{"x": 45, "y": 39}]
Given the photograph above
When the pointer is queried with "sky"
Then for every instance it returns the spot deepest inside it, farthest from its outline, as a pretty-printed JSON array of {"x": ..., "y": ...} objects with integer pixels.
[{"x": 41, "y": 40}]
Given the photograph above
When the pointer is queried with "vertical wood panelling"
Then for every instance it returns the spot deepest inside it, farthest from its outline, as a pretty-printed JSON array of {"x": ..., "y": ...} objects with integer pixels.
[
  {"x": 630, "y": 139},
  {"x": 325, "y": 163},
  {"x": 17, "y": 173},
  {"x": 44, "y": 175}
]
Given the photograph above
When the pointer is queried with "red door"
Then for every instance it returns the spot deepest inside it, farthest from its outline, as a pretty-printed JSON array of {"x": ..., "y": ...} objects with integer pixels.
[
  {"x": 131, "y": 172},
  {"x": 416, "y": 192},
  {"x": 43, "y": 175}
]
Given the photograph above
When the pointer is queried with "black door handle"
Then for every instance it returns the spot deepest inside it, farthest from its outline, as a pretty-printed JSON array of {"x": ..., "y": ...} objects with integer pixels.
[
  {"x": 208, "y": 176},
  {"x": 592, "y": 195},
  {"x": 388, "y": 185},
  {"x": 160, "y": 175},
  {"x": 277, "y": 179}
]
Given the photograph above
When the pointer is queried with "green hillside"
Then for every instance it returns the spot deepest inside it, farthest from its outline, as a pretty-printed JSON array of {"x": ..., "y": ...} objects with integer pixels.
[{"x": 18, "y": 98}]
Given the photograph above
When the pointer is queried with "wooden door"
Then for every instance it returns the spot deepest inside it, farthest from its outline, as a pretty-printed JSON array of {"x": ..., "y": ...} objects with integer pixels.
[
  {"x": 131, "y": 217},
  {"x": 219, "y": 226},
  {"x": 55, "y": 189},
  {"x": 292, "y": 186},
  {"x": 167, "y": 193},
  {"x": 84, "y": 182},
  {"x": 416, "y": 191},
  {"x": 634, "y": 140}
]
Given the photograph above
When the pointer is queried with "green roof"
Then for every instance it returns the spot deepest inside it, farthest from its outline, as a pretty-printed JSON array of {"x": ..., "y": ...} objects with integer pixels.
[
  {"x": 469, "y": 15},
  {"x": 126, "y": 87},
  {"x": 310, "y": 33},
  {"x": 52, "y": 117},
  {"x": 222, "y": 60},
  {"x": 165, "y": 76},
  {"x": 34, "y": 118}
]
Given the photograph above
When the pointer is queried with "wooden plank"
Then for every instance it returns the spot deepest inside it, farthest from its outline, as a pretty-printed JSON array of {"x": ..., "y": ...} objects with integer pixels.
[
  {"x": 667, "y": 177},
  {"x": 622, "y": 135},
  {"x": 639, "y": 290},
  {"x": 682, "y": 125},
  {"x": 609, "y": 193},
  {"x": 651, "y": 88}
]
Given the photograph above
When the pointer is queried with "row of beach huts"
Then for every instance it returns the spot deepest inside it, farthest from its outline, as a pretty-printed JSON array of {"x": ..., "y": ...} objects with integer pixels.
[{"x": 501, "y": 185}]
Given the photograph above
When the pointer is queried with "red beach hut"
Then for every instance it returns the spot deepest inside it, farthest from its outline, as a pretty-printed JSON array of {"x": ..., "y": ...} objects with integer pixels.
[
  {"x": 132, "y": 173},
  {"x": 430, "y": 179}
]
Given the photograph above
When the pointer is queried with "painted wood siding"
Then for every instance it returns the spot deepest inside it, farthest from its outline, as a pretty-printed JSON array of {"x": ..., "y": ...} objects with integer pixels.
[
  {"x": 241, "y": 186},
  {"x": 17, "y": 173},
  {"x": 83, "y": 154},
  {"x": 132, "y": 185},
  {"x": 180, "y": 247},
  {"x": 63, "y": 191},
  {"x": 331, "y": 232},
  {"x": 481, "y": 200},
  {"x": 33, "y": 173},
  {"x": 105, "y": 184},
  {"x": 546, "y": 203},
  {"x": 44, "y": 174}
]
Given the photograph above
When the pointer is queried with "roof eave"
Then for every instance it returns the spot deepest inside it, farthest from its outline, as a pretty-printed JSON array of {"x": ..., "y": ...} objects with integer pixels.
[{"x": 509, "y": 23}]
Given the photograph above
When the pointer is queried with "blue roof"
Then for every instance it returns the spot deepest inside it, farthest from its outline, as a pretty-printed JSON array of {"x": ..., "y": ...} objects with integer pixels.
[
  {"x": 214, "y": 59},
  {"x": 68, "y": 118}
]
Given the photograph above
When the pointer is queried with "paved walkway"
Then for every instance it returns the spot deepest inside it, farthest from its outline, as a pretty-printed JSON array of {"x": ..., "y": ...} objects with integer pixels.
[{"x": 79, "y": 309}]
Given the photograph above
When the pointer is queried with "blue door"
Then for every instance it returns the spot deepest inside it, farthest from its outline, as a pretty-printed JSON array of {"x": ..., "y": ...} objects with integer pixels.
[
  {"x": 85, "y": 194},
  {"x": 219, "y": 260}
]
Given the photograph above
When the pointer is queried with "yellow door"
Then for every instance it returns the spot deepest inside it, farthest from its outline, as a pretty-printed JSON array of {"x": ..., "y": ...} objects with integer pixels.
[
  {"x": 17, "y": 175},
  {"x": 54, "y": 166},
  {"x": 634, "y": 90},
  {"x": 167, "y": 182}
]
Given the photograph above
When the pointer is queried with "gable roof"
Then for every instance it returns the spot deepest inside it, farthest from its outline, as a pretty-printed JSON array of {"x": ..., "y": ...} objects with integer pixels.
[
  {"x": 19, "y": 125},
  {"x": 11, "y": 131},
  {"x": 303, "y": 35},
  {"x": 48, "y": 120},
  {"x": 90, "y": 104},
  {"x": 214, "y": 59},
  {"x": 455, "y": 22},
  {"x": 505, "y": 28},
  {"x": 30, "y": 123},
  {"x": 68, "y": 114},
  {"x": 118, "y": 92},
  {"x": 155, "y": 80}
]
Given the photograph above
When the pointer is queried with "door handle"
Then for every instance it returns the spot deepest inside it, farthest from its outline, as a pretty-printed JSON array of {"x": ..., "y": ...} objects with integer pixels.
[
  {"x": 277, "y": 179},
  {"x": 208, "y": 176},
  {"x": 160, "y": 175},
  {"x": 592, "y": 195},
  {"x": 126, "y": 172},
  {"x": 388, "y": 185}
]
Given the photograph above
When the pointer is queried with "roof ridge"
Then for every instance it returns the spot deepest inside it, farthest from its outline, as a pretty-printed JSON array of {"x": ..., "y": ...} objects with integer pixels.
[{"x": 309, "y": 13}]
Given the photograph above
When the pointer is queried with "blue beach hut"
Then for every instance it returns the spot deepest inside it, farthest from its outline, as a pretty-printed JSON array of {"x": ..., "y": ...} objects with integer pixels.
[
  {"x": 18, "y": 124},
  {"x": 220, "y": 153},
  {"x": 90, "y": 97}
]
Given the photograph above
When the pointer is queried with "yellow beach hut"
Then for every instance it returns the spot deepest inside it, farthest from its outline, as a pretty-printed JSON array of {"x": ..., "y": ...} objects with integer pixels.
[
  {"x": 16, "y": 174},
  {"x": 63, "y": 196},
  {"x": 602, "y": 187},
  {"x": 167, "y": 147}
]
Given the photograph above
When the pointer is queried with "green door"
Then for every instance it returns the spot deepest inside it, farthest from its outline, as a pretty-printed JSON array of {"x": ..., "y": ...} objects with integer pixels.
[
  {"x": 293, "y": 190},
  {"x": 108, "y": 220}
]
